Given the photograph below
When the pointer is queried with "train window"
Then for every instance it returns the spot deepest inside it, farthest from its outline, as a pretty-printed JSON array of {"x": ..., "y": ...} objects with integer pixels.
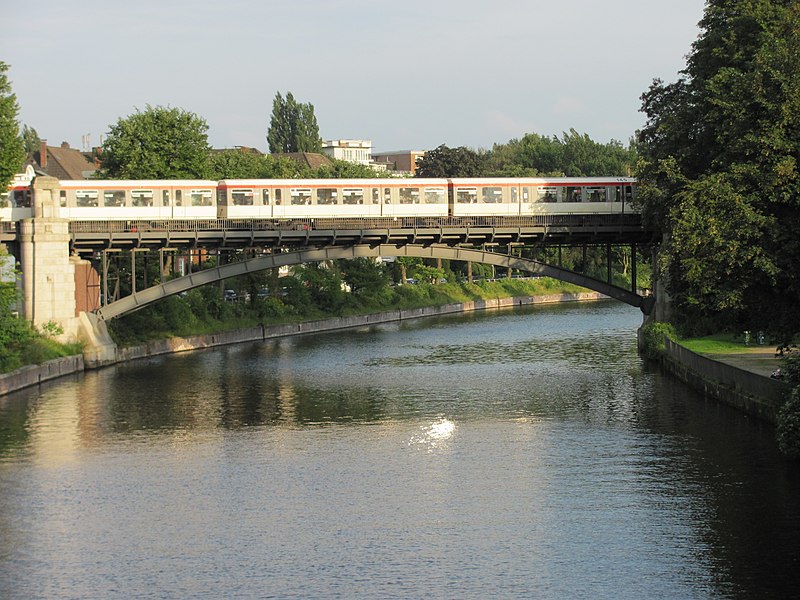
[
  {"x": 142, "y": 197},
  {"x": 629, "y": 193},
  {"x": 376, "y": 196},
  {"x": 466, "y": 195},
  {"x": 278, "y": 197},
  {"x": 62, "y": 198},
  {"x": 595, "y": 194},
  {"x": 164, "y": 197},
  {"x": 3, "y": 199},
  {"x": 514, "y": 195},
  {"x": 22, "y": 198},
  {"x": 573, "y": 194},
  {"x": 327, "y": 196},
  {"x": 86, "y": 198},
  {"x": 300, "y": 196},
  {"x": 434, "y": 196},
  {"x": 353, "y": 196},
  {"x": 409, "y": 195},
  {"x": 201, "y": 197},
  {"x": 113, "y": 198},
  {"x": 547, "y": 194},
  {"x": 265, "y": 197},
  {"x": 491, "y": 195},
  {"x": 178, "y": 198},
  {"x": 526, "y": 197},
  {"x": 242, "y": 197},
  {"x": 387, "y": 195}
]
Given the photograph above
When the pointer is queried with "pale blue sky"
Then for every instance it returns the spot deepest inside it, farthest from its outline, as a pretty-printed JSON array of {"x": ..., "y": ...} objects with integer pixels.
[{"x": 411, "y": 74}]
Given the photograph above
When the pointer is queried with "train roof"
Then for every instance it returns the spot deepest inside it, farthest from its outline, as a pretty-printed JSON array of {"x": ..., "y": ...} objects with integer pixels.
[
  {"x": 331, "y": 182},
  {"x": 135, "y": 183}
]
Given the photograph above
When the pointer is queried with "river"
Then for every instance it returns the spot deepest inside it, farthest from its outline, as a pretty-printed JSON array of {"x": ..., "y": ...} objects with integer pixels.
[{"x": 525, "y": 453}]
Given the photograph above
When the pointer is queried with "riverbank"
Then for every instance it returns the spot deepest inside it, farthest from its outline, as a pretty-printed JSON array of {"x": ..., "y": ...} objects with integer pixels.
[
  {"x": 741, "y": 379},
  {"x": 35, "y": 374}
]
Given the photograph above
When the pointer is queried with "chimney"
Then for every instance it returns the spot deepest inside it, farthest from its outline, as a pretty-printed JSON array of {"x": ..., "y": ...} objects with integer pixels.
[
  {"x": 65, "y": 145},
  {"x": 43, "y": 154}
]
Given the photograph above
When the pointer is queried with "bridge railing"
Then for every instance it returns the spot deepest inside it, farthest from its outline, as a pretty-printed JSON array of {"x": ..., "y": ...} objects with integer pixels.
[{"x": 531, "y": 221}]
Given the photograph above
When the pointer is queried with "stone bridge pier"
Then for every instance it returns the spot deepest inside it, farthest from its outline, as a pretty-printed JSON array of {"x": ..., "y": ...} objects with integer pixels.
[{"x": 48, "y": 270}]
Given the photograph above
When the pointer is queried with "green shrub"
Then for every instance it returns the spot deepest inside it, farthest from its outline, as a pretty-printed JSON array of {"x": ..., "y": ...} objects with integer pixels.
[
  {"x": 788, "y": 430},
  {"x": 653, "y": 339}
]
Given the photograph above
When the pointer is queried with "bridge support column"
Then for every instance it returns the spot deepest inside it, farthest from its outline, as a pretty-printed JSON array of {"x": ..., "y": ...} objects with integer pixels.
[
  {"x": 48, "y": 274},
  {"x": 99, "y": 349}
]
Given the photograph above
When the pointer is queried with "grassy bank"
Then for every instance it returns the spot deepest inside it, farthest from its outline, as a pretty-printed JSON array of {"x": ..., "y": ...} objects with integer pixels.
[{"x": 202, "y": 311}]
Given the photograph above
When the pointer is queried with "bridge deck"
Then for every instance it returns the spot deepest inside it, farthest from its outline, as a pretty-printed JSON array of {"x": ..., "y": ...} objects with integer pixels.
[{"x": 91, "y": 236}]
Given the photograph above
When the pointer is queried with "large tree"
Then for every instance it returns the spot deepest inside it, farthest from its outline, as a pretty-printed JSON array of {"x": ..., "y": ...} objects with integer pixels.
[
  {"x": 157, "y": 143},
  {"x": 451, "y": 162},
  {"x": 293, "y": 126},
  {"x": 12, "y": 149},
  {"x": 719, "y": 169},
  {"x": 573, "y": 155}
]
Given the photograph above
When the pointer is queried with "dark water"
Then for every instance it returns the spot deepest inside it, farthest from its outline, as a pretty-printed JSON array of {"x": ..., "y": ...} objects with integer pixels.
[{"x": 524, "y": 454}]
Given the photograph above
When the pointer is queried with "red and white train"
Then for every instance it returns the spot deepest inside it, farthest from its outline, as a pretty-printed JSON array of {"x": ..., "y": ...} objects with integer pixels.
[{"x": 287, "y": 199}]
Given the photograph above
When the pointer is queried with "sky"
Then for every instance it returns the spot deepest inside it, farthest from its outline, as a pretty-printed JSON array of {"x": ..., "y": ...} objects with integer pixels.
[{"x": 408, "y": 75}]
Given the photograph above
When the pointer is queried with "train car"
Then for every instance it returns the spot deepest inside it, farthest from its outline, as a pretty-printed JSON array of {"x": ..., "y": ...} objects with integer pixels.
[
  {"x": 137, "y": 199},
  {"x": 535, "y": 196},
  {"x": 286, "y": 199},
  {"x": 16, "y": 203}
]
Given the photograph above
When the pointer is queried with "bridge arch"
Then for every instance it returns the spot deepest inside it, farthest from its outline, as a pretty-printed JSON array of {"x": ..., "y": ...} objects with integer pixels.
[{"x": 175, "y": 286}]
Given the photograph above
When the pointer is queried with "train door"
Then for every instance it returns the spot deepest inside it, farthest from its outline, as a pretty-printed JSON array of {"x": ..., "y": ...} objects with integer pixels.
[{"x": 166, "y": 204}]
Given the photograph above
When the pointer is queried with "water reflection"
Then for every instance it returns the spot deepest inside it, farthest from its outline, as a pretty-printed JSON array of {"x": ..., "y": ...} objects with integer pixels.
[{"x": 475, "y": 457}]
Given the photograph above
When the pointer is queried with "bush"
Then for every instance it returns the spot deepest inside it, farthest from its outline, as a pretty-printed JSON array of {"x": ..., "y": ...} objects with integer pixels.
[
  {"x": 788, "y": 430},
  {"x": 653, "y": 339}
]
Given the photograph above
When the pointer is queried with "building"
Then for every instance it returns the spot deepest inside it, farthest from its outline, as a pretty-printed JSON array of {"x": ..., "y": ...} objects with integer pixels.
[
  {"x": 400, "y": 162},
  {"x": 62, "y": 162},
  {"x": 354, "y": 151},
  {"x": 312, "y": 160}
]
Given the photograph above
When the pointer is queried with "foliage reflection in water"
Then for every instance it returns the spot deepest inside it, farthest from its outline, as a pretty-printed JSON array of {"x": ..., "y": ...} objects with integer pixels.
[{"x": 515, "y": 454}]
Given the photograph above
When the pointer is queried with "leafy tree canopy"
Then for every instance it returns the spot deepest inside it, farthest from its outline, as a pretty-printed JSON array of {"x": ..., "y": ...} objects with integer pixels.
[
  {"x": 719, "y": 173},
  {"x": 157, "y": 143},
  {"x": 572, "y": 155},
  {"x": 451, "y": 162},
  {"x": 238, "y": 164},
  {"x": 30, "y": 139},
  {"x": 293, "y": 126},
  {"x": 12, "y": 150}
]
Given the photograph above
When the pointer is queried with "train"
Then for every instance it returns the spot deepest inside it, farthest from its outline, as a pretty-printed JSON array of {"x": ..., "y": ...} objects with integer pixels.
[{"x": 309, "y": 199}]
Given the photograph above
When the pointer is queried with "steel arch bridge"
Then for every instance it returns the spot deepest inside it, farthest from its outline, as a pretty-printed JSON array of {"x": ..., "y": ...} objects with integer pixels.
[{"x": 153, "y": 294}]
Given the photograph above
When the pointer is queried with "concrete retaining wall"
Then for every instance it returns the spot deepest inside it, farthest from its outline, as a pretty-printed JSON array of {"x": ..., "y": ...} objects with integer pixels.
[
  {"x": 751, "y": 393},
  {"x": 36, "y": 374}
]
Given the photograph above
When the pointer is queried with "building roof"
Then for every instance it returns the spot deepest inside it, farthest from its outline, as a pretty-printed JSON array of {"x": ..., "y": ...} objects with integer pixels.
[
  {"x": 62, "y": 162},
  {"x": 312, "y": 160}
]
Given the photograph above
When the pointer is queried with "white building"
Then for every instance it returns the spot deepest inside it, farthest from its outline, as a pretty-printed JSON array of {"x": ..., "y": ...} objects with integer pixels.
[{"x": 354, "y": 151}]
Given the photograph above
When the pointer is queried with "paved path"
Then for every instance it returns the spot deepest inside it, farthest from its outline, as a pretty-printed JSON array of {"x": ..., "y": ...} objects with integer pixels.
[{"x": 758, "y": 359}]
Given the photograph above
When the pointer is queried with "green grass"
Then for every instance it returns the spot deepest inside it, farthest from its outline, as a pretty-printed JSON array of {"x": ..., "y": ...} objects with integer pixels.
[{"x": 724, "y": 343}]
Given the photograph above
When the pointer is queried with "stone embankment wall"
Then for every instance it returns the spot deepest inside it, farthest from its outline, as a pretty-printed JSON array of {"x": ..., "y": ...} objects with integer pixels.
[
  {"x": 753, "y": 394},
  {"x": 35, "y": 374}
]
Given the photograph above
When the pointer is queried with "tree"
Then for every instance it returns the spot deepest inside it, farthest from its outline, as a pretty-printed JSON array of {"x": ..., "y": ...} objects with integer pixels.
[
  {"x": 573, "y": 155},
  {"x": 30, "y": 139},
  {"x": 718, "y": 169},
  {"x": 293, "y": 127},
  {"x": 12, "y": 150},
  {"x": 157, "y": 143},
  {"x": 240, "y": 164},
  {"x": 366, "y": 277},
  {"x": 451, "y": 162}
]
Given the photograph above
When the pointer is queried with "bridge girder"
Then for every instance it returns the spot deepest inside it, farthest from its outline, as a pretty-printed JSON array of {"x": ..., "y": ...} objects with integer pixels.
[{"x": 175, "y": 286}]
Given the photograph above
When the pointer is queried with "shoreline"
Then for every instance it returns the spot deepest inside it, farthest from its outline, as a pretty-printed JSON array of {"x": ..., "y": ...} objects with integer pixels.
[{"x": 36, "y": 374}]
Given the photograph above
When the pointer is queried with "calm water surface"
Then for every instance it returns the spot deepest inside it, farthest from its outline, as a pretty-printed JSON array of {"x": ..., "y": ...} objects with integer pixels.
[{"x": 515, "y": 454}]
